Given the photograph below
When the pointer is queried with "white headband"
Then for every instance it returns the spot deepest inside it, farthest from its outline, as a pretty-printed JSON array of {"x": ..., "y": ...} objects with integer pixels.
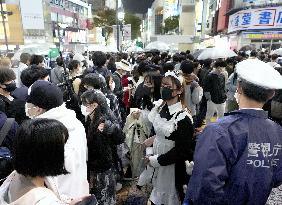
[{"x": 173, "y": 74}]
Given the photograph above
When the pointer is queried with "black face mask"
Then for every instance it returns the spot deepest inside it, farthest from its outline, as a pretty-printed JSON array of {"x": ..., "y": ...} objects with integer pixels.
[
  {"x": 166, "y": 93},
  {"x": 147, "y": 90},
  {"x": 10, "y": 87}
]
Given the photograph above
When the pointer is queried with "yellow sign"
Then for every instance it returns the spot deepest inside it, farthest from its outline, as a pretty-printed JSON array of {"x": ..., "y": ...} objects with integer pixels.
[
  {"x": 13, "y": 25},
  {"x": 262, "y": 35}
]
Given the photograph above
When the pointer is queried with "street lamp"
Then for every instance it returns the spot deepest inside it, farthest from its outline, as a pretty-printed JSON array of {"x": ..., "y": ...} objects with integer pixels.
[
  {"x": 119, "y": 18},
  {"x": 121, "y": 15}
]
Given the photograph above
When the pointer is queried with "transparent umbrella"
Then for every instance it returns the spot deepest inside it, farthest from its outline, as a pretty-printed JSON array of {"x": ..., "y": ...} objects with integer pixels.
[
  {"x": 196, "y": 53},
  {"x": 215, "y": 53},
  {"x": 161, "y": 46},
  {"x": 277, "y": 52},
  {"x": 134, "y": 49},
  {"x": 112, "y": 48},
  {"x": 97, "y": 47},
  {"x": 39, "y": 49}
]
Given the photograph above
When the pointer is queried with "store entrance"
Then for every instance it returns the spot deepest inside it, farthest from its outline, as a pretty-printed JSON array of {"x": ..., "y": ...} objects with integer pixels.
[{"x": 267, "y": 44}]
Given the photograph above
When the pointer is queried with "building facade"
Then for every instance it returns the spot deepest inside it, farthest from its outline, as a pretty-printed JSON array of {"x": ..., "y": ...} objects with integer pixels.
[
  {"x": 60, "y": 22},
  {"x": 260, "y": 25},
  {"x": 69, "y": 23},
  {"x": 160, "y": 10},
  {"x": 239, "y": 23}
]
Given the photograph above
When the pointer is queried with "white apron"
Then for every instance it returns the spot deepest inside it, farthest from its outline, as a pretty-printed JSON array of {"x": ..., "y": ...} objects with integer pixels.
[{"x": 164, "y": 191}]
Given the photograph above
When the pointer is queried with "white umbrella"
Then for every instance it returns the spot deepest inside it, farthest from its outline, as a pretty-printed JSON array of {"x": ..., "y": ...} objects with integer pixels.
[
  {"x": 215, "y": 53},
  {"x": 112, "y": 48},
  {"x": 40, "y": 49},
  {"x": 277, "y": 52},
  {"x": 97, "y": 47},
  {"x": 161, "y": 46},
  {"x": 134, "y": 49}
]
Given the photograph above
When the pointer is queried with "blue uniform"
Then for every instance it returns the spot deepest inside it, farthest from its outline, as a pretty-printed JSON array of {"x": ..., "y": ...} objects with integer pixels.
[{"x": 238, "y": 160}]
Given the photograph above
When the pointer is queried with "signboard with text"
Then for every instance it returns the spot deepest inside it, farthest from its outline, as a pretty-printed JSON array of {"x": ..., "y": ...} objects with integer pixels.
[
  {"x": 260, "y": 18},
  {"x": 32, "y": 16},
  {"x": 244, "y": 3},
  {"x": 127, "y": 32},
  {"x": 263, "y": 35}
]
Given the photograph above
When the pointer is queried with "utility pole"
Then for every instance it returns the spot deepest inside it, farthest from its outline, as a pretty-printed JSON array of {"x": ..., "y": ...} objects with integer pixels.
[
  {"x": 117, "y": 22},
  {"x": 204, "y": 18},
  {"x": 4, "y": 25},
  {"x": 58, "y": 30}
]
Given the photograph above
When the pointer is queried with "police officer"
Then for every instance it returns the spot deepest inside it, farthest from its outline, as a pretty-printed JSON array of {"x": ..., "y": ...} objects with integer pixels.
[{"x": 238, "y": 160}]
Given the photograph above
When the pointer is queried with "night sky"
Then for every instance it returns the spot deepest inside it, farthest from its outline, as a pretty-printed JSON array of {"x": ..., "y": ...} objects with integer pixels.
[{"x": 137, "y": 6}]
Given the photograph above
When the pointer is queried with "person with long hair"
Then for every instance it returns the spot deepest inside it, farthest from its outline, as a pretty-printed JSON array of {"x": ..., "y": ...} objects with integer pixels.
[
  {"x": 103, "y": 134},
  {"x": 172, "y": 143},
  {"x": 75, "y": 70},
  {"x": 151, "y": 91},
  {"x": 137, "y": 126}
]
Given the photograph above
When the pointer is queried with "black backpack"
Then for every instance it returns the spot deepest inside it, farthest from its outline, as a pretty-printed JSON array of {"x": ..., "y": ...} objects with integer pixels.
[
  {"x": 5, "y": 154},
  {"x": 218, "y": 92}
]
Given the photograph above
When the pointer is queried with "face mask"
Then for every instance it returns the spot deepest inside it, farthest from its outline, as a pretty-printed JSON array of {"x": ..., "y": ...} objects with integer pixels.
[
  {"x": 27, "y": 114},
  {"x": 10, "y": 87},
  {"x": 113, "y": 86},
  {"x": 84, "y": 111},
  {"x": 43, "y": 65},
  {"x": 166, "y": 93},
  {"x": 147, "y": 90},
  {"x": 236, "y": 96},
  {"x": 79, "y": 70}
]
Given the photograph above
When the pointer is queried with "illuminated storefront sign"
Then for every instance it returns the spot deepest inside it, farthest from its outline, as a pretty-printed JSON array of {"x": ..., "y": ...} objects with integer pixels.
[
  {"x": 263, "y": 35},
  {"x": 75, "y": 36}
]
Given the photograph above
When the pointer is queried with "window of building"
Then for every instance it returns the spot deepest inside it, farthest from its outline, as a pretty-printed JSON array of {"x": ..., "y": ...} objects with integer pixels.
[{"x": 158, "y": 23}]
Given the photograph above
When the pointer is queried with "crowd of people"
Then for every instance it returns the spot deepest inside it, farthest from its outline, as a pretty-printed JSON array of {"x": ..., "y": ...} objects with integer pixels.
[{"x": 196, "y": 131}]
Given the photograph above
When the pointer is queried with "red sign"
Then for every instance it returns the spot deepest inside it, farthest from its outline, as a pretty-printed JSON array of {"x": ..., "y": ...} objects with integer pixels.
[{"x": 222, "y": 22}]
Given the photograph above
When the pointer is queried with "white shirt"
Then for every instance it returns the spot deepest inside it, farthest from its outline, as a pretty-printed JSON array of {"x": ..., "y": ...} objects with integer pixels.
[{"x": 18, "y": 72}]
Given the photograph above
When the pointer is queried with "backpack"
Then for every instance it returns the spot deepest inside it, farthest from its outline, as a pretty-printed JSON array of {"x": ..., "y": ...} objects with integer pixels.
[
  {"x": 5, "y": 154},
  {"x": 276, "y": 109},
  {"x": 218, "y": 92}
]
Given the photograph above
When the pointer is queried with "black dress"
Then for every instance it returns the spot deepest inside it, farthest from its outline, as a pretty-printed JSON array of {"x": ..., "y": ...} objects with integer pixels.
[{"x": 172, "y": 146}]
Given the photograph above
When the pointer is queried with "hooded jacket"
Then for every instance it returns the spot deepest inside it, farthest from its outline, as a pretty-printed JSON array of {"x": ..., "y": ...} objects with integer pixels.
[{"x": 75, "y": 183}]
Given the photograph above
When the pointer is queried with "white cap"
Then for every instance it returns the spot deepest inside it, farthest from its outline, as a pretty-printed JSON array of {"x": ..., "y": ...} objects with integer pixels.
[
  {"x": 259, "y": 73},
  {"x": 79, "y": 57},
  {"x": 124, "y": 65}
]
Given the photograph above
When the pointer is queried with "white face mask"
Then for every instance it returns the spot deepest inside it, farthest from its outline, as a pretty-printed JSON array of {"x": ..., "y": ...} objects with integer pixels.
[
  {"x": 113, "y": 86},
  {"x": 43, "y": 65},
  {"x": 84, "y": 111},
  {"x": 236, "y": 96},
  {"x": 26, "y": 112}
]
